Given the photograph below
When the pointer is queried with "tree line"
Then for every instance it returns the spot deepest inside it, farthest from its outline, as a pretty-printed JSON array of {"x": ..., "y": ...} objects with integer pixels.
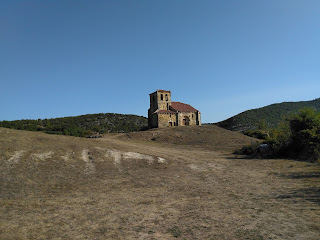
[{"x": 82, "y": 126}]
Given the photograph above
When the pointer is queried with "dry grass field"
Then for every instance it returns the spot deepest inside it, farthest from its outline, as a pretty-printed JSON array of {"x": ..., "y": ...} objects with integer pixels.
[{"x": 178, "y": 183}]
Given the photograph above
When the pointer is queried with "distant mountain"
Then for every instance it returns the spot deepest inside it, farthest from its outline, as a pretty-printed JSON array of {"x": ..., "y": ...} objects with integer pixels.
[
  {"x": 82, "y": 126},
  {"x": 271, "y": 115}
]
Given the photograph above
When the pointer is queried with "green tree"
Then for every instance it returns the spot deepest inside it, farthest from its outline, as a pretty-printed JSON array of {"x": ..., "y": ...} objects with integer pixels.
[
  {"x": 305, "y": 133},
  {"x": 262, "y": 124}
]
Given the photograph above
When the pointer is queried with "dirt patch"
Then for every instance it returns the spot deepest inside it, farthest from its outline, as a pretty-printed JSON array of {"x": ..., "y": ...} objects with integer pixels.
[
  {"x": 87, "y": 158},
  {"x": 42, "y": 156},
  {"x": 16, "y": 156},
  {"x": 120, "y": 156},
  {"x": 161, "y": 160},
  {"x": 139, "y": 156},
  {"x": 117, "y": 157},
  {"x": 68, "y": 156}
]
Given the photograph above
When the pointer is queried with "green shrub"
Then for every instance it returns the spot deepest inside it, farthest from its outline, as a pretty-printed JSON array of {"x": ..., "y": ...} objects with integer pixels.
[
  {"x": 260, "y": 134},
  {"x": 298, "y": 137},
  {"x": 251, "y": 150},
  {"x": 305, "y": 134}
]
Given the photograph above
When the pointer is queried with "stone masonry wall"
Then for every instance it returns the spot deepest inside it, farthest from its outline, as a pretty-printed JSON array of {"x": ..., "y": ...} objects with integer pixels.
[
  {"x": 152, "y": 119},
  {"x": 191, "y": 116},
  {"x": 199, "y": 118},
  {"x": 165, "y": 102},
  {"x": 164, "y": 119}
]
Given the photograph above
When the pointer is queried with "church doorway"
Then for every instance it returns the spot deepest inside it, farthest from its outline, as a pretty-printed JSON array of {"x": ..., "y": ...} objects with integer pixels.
[{"x": 186, "y": 121}]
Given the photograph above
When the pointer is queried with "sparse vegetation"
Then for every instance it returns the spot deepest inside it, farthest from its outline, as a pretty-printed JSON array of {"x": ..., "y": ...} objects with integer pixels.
[
  {"x": 262, "y": 132},
  {"x": 82, "y": 126},
  {"x": 175, "y": 231},
  {"x": 270, "y": 116}
]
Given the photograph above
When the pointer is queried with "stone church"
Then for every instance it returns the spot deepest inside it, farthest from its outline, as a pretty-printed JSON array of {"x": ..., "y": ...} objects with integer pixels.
[{"x": 164, "y": 113}]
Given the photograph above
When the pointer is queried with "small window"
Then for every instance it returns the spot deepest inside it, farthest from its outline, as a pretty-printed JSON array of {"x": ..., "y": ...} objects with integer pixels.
[
  {"x": 161, "y": 96},
  {"x": 167, "y": 106},
  {"x": 166, "y": 97},
  {"x": 192, "y": 115}
]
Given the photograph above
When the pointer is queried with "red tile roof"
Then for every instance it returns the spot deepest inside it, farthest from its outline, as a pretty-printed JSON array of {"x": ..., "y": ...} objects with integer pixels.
[
  {"x": 164, "y": 111},
  {"x": 182, "y": 107}
]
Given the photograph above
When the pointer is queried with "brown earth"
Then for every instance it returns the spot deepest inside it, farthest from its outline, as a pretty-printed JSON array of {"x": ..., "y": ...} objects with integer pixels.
[
  {"x": 206, "y": 137},
  {"x": 173, "y": 183}
]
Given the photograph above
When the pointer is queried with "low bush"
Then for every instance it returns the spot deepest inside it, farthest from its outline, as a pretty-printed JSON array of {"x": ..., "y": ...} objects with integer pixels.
[
  {"x": 298, "y": 137},
  {"x": 250, "y": 150},
  {"x": 260, "y": 134}
]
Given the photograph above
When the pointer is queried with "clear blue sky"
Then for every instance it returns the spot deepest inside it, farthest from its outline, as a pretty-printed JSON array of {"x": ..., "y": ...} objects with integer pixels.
[{"x": 67, "y": 58}]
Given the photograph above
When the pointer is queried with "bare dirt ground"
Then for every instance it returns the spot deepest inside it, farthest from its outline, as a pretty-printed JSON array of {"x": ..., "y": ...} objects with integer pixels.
[{"x": 179, "y": 183}]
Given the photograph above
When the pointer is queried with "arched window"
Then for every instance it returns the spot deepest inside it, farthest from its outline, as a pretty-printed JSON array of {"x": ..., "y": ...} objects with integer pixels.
[
  {"x": 166, "y": 97},
  {"x": 161, "y": 96}
]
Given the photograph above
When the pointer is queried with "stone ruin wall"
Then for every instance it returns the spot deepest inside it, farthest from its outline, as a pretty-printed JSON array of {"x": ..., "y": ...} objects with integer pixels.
[
  {"x": 164, "y": 119},
  {"x": 193, "y": 118}
]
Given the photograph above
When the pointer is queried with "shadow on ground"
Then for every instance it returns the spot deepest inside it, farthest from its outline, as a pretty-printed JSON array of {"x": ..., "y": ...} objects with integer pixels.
[
  {"x": 301, "y": 175},
  {"x": 309, "y": 194}
]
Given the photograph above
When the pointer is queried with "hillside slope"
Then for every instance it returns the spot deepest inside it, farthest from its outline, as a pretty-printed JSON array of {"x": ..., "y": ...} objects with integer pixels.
[
  {"x": 271, "y": 114},
  {"x": 130, "y": 187},
  {"x": 209, "y": 137},
  {"x": 82, "y": 126}
]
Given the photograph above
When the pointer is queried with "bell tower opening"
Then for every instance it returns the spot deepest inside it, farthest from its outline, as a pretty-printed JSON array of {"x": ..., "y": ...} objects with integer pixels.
[{"x": 163, "y": 100}]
